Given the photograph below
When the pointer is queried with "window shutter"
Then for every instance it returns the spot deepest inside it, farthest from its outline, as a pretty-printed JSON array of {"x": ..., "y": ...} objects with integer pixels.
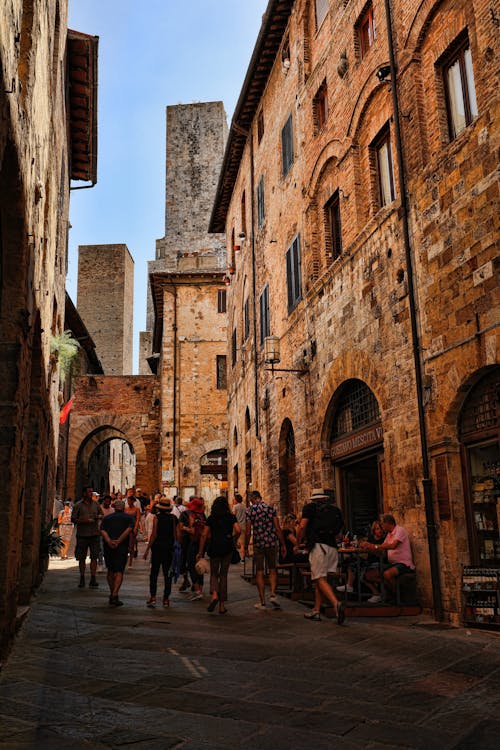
[{"x": 442, "y": 489}]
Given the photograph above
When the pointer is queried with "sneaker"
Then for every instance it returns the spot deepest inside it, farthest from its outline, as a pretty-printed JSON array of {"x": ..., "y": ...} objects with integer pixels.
[
  {"x": 313, "y": 615},
  {"x": 274, "y": 601},
  {"x": 151, "y": 602},
  {"x": 340, "y": 613},
  {"x": 259, "y": 605},
  {"x": 196, "y": 596},
  {"x": 81, "y": 585},
  {"x": 115, "y": 602},
  {"x": 375, "y": 599},
  {"x": 184, "y": 588},
  {"x": 93, "y": 584},
  {"x": 347, "y": 588}
]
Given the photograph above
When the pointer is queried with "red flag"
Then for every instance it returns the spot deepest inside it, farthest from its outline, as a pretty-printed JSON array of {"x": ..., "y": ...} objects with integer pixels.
[{"x": 65, "y": 410}]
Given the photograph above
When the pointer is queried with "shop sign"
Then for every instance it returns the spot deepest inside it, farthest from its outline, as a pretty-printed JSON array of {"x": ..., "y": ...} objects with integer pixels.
[{"x": 357, "y": 442}]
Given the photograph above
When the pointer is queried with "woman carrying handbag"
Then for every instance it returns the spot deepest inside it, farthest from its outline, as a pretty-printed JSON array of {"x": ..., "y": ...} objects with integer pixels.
[{"x": 219, "y": 538}]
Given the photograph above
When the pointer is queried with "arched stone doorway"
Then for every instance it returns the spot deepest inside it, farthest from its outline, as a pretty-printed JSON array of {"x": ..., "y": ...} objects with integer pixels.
[
  {"x": 287, "y": 469},
  {"x": 479, "y": 434},
  {"x": 354, "y": 440},
  {"x": 213, "y": 473}
]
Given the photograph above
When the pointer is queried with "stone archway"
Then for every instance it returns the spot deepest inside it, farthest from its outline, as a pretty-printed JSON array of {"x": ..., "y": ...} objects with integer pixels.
[{"x": 108, "y": 407}]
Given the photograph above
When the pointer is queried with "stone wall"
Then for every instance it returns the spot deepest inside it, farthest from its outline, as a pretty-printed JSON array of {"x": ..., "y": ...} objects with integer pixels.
[{"x": 34, "y": 199}]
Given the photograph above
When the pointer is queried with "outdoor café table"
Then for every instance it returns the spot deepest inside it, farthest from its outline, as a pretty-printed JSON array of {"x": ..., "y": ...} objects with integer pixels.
[{"x": 356, "y": 555}]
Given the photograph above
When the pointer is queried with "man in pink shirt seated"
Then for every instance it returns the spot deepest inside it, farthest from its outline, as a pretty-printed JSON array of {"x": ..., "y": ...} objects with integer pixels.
[{"x": 397, "y": 546}]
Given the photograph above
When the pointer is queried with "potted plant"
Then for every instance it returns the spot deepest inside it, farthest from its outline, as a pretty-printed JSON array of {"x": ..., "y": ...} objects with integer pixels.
[
  {"x": 64, "y": 352},
  {"x": 50, "y": 541}
]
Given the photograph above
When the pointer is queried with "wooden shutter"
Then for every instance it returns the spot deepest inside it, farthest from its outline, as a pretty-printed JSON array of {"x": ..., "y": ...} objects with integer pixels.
[{"x": 442, "y": 488}]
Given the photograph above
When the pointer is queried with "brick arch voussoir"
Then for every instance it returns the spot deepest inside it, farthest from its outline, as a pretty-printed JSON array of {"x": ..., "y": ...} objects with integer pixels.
[{"x": 420, "y": 24}]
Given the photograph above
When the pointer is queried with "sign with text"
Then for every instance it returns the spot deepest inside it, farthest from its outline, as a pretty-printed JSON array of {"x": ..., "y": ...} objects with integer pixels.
[{"x": 357, "y": 441}]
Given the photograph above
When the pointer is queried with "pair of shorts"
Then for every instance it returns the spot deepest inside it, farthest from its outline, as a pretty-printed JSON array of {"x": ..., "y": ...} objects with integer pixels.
[
  {"x": 323, "y": 560},
  {"x": 90, "y": 544},
  {"x": 400, "y": 567},
  {"x": 115, "y": 560},
  {"x": 262, "y": 555}
]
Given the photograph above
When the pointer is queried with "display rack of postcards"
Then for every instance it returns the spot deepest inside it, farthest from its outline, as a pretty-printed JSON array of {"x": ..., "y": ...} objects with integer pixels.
[{"x": 481, "y": 597}]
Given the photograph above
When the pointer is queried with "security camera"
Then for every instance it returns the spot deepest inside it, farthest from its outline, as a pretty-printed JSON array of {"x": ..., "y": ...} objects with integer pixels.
[{"x": 383, "y": 73}]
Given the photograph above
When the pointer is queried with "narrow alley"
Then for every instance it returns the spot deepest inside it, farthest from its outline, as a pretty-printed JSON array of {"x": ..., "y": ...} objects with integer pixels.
[{"x": 87, "y": 676}]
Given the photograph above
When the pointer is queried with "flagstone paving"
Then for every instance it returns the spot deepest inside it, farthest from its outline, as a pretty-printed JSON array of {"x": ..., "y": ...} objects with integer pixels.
[{"x": 90, "y": 677}]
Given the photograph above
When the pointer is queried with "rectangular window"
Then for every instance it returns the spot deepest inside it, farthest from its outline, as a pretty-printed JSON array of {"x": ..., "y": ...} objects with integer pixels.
[
  {"x": 260, "y": 126},
  {"x": 233, "y": 348},
  {"x": 293, "y": 280},
  {"x": 287, "y": 145},
  {"x": 246, "y": 320},
  {"x": 221, "y": 372},
  {"x": 384, "y": 167},
  {"x": 261, "y": 211},
  {"x": 460, "y": 90},
  {"x": 265, "y": 323},
  {"x": 320, "y": 108},
  {"x": 248, "y": 469},
  {"x": 221, "y": 300},
  {"x": 367, "y": 32},
  {"x": 321, "y": 11},
  {"x": 236, "y": 482},
  {"x": 333, "y": 229}
]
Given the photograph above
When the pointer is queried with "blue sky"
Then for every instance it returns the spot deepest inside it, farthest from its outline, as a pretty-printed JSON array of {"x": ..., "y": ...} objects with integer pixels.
[{"x": 152, "y": 54}]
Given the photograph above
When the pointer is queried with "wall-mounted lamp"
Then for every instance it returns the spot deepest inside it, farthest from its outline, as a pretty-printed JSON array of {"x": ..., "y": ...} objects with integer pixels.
[
  {"x": 242, "y": 236},
  {"x": 383, "y": 74},
  {"x": 272, "y": 356},
  {"x": 227, "y": 280},
  {"x": 231, "y": 270},
  {"x": 286, "y": 65}
]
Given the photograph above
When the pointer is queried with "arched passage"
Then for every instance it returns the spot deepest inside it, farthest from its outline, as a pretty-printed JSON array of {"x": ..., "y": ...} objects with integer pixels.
[
  {"x": 287, "y": 469},
  {"x": 354, "y": 438}
]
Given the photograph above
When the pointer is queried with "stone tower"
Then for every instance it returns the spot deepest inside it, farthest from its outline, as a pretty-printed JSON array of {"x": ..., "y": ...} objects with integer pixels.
[
  {"x": 106, "y": 303},
  {"x": 196, "y": 138}
]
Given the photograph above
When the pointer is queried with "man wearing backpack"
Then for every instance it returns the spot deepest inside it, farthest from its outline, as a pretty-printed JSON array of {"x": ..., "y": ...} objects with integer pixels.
[{"x": 320, "y": 524}]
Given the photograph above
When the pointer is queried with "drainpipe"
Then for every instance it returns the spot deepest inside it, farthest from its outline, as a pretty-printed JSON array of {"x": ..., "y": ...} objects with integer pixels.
[
  {"x": 174, "y": 391},
  {"x": 254, "y": 292},
  {"x": 426, "y": 480}
]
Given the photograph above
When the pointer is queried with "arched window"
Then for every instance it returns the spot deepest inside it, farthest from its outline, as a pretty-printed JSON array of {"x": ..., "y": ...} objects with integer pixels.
[{"x": 287, "y": 469}]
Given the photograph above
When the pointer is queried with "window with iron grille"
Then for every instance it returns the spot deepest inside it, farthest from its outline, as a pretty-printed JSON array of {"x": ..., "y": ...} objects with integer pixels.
[
  {"x": 221, "y": 300},
  {"x": 221, "y": 364},
  {"x": 460, "y": 90},
  {"x": 356, "y": 408},
  {"x": 293, "y": 276},
  {"x": 233, "y": 348},
  {"x": 320, "y": 108},
  {"x": 265, "y": 324},
  {"x": 261, "y": 211},
  {"x": 333, "y": 229},
  {"x": 321, "y": 11},
  {"x": 366, "y": 30},
  {"x": 287, "y": 146},
  {"x": 246, "y": 320},
  {"x": 481, "y": 411}
]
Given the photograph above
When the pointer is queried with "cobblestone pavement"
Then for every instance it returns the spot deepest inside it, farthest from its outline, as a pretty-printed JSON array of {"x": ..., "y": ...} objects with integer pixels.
[{"x": 83, "y": 675}]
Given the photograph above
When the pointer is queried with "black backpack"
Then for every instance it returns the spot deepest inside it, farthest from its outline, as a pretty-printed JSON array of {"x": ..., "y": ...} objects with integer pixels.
[{"x": 325, "y": 525}]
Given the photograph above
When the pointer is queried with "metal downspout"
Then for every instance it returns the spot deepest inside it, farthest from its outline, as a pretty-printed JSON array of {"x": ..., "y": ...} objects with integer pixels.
[
  {"x": 426, "y": 480},
  {"x": 254, "y": 292}
]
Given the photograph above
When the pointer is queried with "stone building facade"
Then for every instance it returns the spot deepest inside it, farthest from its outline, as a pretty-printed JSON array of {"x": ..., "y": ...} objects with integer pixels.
[
  {"x": 359, "y": 195},
  {"x": 187, "y": 308},
  {"x": 47, "y": 137}
]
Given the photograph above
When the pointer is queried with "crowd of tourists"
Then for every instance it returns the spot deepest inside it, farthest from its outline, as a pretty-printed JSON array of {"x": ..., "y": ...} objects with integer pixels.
[{"x": 178, "y": 538}]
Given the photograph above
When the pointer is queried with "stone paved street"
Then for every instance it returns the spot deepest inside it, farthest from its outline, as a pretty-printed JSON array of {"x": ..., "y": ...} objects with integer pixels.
[{"x": 84, "y": 676}]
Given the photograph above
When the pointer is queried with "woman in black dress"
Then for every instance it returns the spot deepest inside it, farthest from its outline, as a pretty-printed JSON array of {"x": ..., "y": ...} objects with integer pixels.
[
  {"x": 219, "y": 537},
  {"x": 161, "y": 543}
]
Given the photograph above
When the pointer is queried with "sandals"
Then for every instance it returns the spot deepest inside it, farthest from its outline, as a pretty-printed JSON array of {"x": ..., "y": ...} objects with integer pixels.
[
  {"x": 212, "y": 605},
  {"x": 315, "y": 616},
  {"x": 340, "y": 613}
]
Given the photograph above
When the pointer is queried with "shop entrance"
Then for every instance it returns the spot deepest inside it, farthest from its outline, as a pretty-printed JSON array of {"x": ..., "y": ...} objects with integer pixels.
[
  {"x": 356, "y": 450},
  {"x": 361, "y": 496},
  {"x": 479, "y": 427}
]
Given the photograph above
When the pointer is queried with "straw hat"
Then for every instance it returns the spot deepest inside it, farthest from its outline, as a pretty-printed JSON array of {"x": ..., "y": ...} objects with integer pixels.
[{"x": 319, "y": 493}]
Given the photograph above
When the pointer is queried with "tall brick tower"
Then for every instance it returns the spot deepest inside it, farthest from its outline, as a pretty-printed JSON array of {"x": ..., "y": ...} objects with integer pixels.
[
  {"x": 189, "y": 332},
  {"x": 106, "y": 303}
]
